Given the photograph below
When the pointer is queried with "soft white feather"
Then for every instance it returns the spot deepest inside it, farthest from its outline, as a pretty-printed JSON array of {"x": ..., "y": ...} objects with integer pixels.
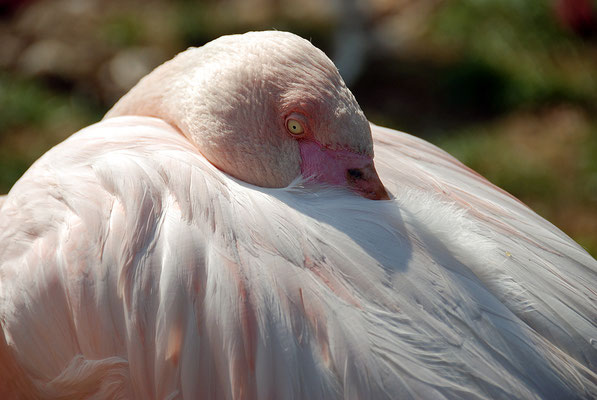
[{"x": 175, "y": 280}]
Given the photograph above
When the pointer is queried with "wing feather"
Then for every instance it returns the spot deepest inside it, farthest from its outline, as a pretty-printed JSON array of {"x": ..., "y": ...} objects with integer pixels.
[{"x": 128, "y": 248}]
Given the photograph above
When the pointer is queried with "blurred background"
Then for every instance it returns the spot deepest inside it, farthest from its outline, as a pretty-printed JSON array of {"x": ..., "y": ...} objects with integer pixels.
[{"x": 507, "y": 86}]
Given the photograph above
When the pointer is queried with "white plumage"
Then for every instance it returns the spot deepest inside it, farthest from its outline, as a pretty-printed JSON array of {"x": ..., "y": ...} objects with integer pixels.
[{"x": 131, "y": 267}]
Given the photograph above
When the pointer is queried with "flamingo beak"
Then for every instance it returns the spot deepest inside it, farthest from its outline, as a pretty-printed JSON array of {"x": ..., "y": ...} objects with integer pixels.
[
  {"x": 342, "y": 167},
  {"x": 365, "y": 181}
]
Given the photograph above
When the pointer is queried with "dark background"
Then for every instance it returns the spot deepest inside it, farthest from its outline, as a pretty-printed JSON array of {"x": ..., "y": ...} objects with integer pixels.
[{"x": 507, "y": 86}]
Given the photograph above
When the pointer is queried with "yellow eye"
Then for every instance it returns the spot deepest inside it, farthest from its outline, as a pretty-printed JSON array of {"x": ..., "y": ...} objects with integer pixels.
[{"x": 294, "y": 127}]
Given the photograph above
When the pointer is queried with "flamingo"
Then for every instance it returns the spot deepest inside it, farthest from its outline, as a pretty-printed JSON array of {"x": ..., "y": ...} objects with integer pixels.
[{"x": 223, "y": 233}]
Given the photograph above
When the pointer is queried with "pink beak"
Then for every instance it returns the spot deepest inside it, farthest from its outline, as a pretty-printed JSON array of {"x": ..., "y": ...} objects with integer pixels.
[{"x": 342, "y": 168}]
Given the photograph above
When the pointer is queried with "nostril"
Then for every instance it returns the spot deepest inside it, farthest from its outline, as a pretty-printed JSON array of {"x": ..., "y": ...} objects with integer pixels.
[
  {"x": 354, "y": 173},
  {"x": 366, "y": 182}
]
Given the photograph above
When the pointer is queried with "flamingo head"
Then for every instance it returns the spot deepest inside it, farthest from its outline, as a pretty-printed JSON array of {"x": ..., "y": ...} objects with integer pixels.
[{"x": 264, "y": 107}]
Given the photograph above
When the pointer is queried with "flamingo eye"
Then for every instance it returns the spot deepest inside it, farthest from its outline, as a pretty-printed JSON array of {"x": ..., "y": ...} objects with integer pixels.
[{"x": 294, "y": 127}]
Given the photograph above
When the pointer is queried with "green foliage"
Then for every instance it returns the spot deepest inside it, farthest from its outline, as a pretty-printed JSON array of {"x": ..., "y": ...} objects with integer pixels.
[
  {"x": 588, "y": 242},
  {"x": 34, "y": 117},
  {"x": 536, "y": 60},
  {"x": 29, "y": 102},
  {"x": 24, "y": 102},
  {"x": 195, "y": 25},
  {"x": 473, "y": 83},
  {"x": 12, "y": 166},
  {"x": 525, "y": 177},
  {"x": 588, "y": 167},
  {"x": 122, "y": 30},
  {"x": 198, "y": 23}
]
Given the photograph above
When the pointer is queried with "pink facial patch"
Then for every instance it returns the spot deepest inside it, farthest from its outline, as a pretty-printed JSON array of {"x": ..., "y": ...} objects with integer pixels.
[{"x": 327, "y": 165}]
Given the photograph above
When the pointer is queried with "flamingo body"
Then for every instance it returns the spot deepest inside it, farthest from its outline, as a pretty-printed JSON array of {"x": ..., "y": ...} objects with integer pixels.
[{"x": 132, "y": 267}]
